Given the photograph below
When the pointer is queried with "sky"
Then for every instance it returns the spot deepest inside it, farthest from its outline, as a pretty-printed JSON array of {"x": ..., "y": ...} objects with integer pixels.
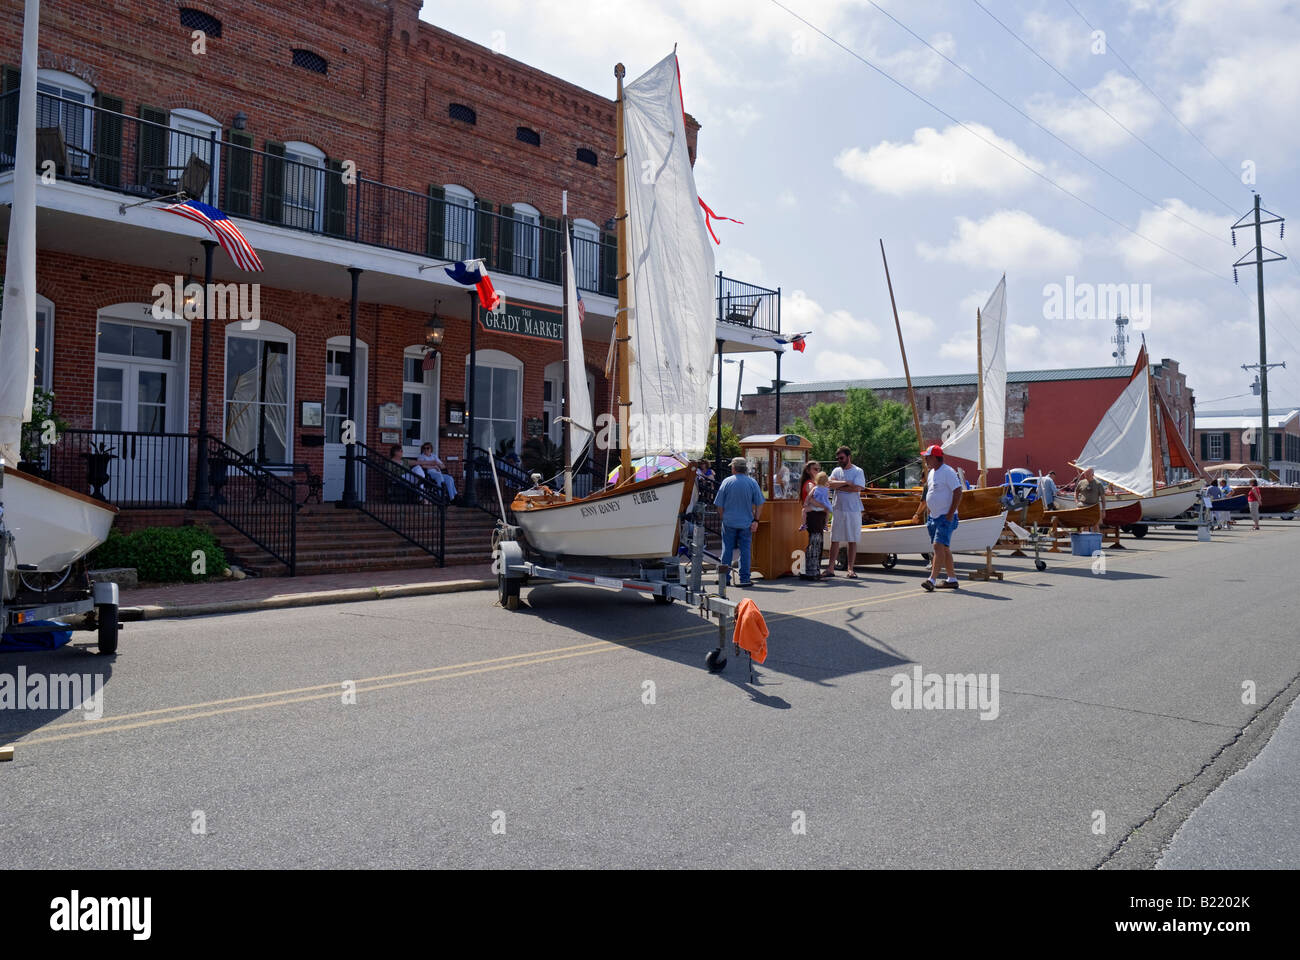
[{"x": 1009, "y": 168}]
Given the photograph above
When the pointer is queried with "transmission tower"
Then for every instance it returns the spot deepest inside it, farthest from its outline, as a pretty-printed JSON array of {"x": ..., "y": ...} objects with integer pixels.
[{"x": 1121, "y": 341}]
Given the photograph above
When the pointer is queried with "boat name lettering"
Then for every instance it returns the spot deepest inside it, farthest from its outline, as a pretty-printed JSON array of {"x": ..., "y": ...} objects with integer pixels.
[
  {"x": 645, "y": 496},
  {"x": 600, "y": 508}
]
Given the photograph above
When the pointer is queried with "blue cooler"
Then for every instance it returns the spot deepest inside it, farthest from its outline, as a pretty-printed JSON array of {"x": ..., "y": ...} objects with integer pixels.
[{"x": 1085, "y": 544}]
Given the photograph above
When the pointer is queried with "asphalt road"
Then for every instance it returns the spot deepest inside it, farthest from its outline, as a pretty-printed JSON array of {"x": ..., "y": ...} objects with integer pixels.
[{"x": 483, "y": 737}]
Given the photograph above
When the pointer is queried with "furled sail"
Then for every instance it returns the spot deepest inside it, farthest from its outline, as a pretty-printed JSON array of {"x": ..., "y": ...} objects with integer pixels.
[
  {"x": 964, "y": 442},
  {"x": 1119, "y": 450},
  {"x": 580, "y": 424},
  {"x": 670, "y": 266},
  {"x": 18, "y": 312}
]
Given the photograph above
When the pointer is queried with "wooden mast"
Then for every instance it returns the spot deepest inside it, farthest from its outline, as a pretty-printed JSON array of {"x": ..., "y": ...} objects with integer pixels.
[
  {"x": 979, "y": 384},
  {"x": 564, "y": 344},
  {"x": 1151, "y": 410},
  {"x": 623, "y": 336},
  {"x": 907, "y": 374}
]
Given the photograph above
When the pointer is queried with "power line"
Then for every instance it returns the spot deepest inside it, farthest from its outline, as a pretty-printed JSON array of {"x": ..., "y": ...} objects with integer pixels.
[
  {"x": 1122, "y": 182},
  {"x": 1084, "y": 94},
  {"x": 1042, "y": 176},
  {"x": 1110, "y": 48}
]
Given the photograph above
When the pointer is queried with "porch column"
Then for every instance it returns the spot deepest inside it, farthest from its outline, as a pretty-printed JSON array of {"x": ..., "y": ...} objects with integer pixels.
[
  {"x": 776, "y": 427},
  {"x": 202, "y": 495},
  {"x": 717, "y": 442},
  {"x": 349, "y": 477},
  {"x": 471, "y": 494}
]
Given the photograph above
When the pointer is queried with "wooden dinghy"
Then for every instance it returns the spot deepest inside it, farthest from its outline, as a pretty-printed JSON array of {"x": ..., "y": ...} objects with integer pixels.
[{"x": 903, "y": 504}]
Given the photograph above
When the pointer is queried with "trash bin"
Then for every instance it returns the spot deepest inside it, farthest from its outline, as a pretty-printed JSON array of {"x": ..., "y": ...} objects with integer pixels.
[{"x": 1085, "y": 544}]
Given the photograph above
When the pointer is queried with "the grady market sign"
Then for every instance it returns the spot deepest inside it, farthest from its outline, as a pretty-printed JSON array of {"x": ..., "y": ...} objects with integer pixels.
[{"x": 519, "y": 318}]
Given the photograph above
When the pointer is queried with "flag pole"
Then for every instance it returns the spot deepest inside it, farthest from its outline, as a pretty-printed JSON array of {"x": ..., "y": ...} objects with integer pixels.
[
  {"x": 907, "y": 374},
  {"x": 566, "y": 411}
]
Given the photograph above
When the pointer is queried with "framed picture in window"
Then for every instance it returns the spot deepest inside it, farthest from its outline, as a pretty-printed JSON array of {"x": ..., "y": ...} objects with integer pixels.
[{"x": 313, "y": 414}]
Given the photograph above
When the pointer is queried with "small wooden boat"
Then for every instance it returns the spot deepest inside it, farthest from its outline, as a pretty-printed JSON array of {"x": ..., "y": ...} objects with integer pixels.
[
  {"x": 977, "y": 533},
  {"x": 1236, "y": 503},
  {"x": 1122, "y": 515},
  {"x": 903, "y": 504},
  {"x": 1073, "y": 516}
]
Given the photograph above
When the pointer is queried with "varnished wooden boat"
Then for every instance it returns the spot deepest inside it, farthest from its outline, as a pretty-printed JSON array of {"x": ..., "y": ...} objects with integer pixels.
[
  {"x": 1073, "y": 516},
  {"x": 879, "y": 507}
]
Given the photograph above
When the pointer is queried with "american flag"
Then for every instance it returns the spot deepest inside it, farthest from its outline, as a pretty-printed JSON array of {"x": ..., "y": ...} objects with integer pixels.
[
  {"x": 223, "y": 228},
  {"x": 582, "y": 308}
]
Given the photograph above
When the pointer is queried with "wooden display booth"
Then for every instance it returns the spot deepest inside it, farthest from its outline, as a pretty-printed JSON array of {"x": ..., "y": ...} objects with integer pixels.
[{"x": 776, "y": 461}]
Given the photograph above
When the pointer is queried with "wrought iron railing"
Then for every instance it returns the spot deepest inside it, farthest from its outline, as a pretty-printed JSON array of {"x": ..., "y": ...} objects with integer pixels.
[
  {"x": 145, "y": 158},
  {"x": 747, "y": 305},
  {"x": 253, "y": 500},
  {"x": 129, "y": 469},
  {"x": 411, "y": 507}
]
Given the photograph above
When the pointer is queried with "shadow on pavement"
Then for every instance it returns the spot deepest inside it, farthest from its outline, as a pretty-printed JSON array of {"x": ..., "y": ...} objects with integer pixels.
[{"x": 55, "y": 684}]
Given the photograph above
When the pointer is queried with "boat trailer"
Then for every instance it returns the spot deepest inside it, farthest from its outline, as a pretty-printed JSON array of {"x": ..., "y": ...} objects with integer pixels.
[
  {"x": 97, "y": 603},
  {"x": 664, "y": 581}
]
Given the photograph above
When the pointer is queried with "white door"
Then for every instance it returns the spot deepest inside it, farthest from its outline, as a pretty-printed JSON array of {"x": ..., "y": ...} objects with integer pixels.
[
  {"x": 137, "y": 399},
  {"x": 195, "y": 134},
  {"x": 553, "y": 400},
  {"x": 338, "y": 362}
]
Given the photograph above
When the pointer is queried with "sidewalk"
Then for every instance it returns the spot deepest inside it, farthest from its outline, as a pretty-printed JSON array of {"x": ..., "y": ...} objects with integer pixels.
[{"x": 270, "y": 593}]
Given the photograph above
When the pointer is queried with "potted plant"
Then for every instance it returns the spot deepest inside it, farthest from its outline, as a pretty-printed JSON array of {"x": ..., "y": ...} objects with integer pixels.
[
  {"x": 40, "y": 433},
  {"x": 97, "y": 461}
]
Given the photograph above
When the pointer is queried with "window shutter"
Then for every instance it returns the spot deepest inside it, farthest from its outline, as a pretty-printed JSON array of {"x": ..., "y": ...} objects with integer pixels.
[
  {"x": 1277, "y": 445},
  {"x": 1205, "y": 447},
  {"x": 152, "y": 154},
  {"x": 435, "y": 228},
  {"x": 108, "y": 141},
  {"x": 9, "y": 77},
  {"x": 239, "y": 174},
  {"x": 506, "y": 241},
  {"x": 273, "y": 182},
  {"x": 551, "y": 240},
  {"x": 483, "y": 230},
  {"x": 336, "y": 199},
  {"x": 609, "y": 264}
]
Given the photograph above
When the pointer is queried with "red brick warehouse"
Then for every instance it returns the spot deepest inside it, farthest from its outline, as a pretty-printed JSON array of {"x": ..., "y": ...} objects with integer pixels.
[{"x": 338, "y": 136}]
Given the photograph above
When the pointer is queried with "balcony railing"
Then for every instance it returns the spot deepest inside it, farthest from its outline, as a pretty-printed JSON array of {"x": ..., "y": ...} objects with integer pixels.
[{"x": 144, "y": 157}]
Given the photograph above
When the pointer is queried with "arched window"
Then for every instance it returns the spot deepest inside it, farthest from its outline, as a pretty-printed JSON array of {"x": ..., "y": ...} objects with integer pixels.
[
  {"x": 458, "y": 222},
  {"x": 420, "y": 378},
  {"x": 304, "y": 185},
  {"x": 586, "y": 254},
  {"x": 497, "y": 403},
  {"x": 527, "y": 240},
  {"x": 259, "y": 391},
  {"x": 66, "y": 114},
  {"x": 196, "y": 134}
]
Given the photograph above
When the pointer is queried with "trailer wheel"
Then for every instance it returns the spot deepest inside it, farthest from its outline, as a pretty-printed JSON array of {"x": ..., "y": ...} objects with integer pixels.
[
  {"x": 507, "y": 592},
  {"x": 714, "y": 661},
  {"x": 890, "y": 561},
  {"x": 1139, "y": 530},
  {"x": 107, "y": 614},
  {"x": 659, "y": 598},
  {"x": 1040, "y": 564}
]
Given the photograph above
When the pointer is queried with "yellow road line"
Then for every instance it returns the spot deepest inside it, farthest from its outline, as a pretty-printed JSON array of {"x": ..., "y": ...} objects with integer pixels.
[{"x": 116, "y": 724}]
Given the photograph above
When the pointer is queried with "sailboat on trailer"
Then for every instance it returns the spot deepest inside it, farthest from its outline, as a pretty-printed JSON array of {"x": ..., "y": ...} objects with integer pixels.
[
  {"x": 1125, "y": 450},
  {"x": 664, "y": 329}
]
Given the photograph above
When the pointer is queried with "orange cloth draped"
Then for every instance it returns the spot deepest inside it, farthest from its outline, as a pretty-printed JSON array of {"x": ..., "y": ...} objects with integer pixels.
[{"x": 751, "y": 630}]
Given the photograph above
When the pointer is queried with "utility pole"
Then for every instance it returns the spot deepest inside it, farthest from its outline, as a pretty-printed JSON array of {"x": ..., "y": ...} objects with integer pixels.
[{"x": 1258, "y": 252}]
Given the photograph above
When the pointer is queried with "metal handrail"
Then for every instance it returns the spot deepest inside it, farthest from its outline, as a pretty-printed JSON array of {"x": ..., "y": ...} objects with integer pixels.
[
  {"x": 269, "y": 518},
  {"x": 419, "y": 515}
]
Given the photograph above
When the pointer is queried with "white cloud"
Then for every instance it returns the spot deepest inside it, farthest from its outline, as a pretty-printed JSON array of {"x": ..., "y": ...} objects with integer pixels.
[
  {"x": 919, "y": 66},
  {"x": 1085, "y": 126},
  {"x": 952, "y": 161},
  {"x": 1062, "y": 41},
  {"x": 1164, "y": 227},
  {"x": 1006, "y": 240},
  {"x": 1245, "y": 104},
  {"x": 842, "y": 346}
]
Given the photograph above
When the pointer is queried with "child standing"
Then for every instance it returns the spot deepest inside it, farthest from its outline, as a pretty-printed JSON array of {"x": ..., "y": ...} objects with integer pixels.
[{"x": 815, "y": 508}]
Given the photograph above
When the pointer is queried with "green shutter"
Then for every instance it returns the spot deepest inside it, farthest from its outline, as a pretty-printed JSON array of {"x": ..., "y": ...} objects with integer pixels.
[
  {"x": 239, "y": 174},
  {"x": 9, "y": 77},
  {"x": 1205, "y": 447},
  {"x": 336, "y": 199},
  {"x": 273, "y": 182},
  {"x": 483, "y": 230},
  {"x": 1276, "y": 445},
  {"x": 435, "y": 230},
  {"x": 151, "y": 157},
  {"x": 550, "y": 271},
  {"x": 609, "y": 264},
  {"x": 108, "y": 141},
  {"x": 506, "y": 239}
]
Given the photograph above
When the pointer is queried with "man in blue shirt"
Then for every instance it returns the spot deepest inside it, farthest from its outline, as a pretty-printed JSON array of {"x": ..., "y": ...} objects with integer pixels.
[
  {"x": 1047, "y": 490},
  {"x": 738, "y": 501}
]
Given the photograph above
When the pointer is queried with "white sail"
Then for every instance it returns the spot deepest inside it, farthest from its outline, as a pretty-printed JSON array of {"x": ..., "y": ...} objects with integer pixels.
[
  {"x": 581, "y": 423},
  {"x": 18, "y": 313},
  {"x": 670, "y": 264},
  {"x": 1119, "y": 450},
  {"x": 964, "y": 442}
]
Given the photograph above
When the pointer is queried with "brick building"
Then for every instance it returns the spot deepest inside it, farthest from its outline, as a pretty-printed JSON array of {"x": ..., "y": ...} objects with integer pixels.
[
  {"x": 348, "y": 140},
  {"x": 1232, "y": 436},
  {"x": 1049, "y": 413}
]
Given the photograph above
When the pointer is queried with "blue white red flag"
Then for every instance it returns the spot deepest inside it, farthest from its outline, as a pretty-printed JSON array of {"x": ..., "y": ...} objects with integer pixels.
[
  {"x": 582, "y": 308},
  {"x": 221, "y": 227},
  {"x": 796, "y": 340},
  {"x": 472, "y": 273}
]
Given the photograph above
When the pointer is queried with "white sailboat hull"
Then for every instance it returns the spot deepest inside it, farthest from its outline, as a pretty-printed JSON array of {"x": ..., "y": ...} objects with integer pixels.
[
  {"x": 1167, "y": 502},
  {"x": 974, "y": 534},
  {"x": 52, "y": 527},
  {"x": 641, "y": 524}
]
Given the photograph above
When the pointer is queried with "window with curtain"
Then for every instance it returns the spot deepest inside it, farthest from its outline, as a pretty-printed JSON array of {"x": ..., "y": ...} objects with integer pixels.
[
  {"x": 458, "y": 223},
  {"x": 586, "y": 254},
  {"x": 527, "y": 240},
  {"x": 75, "y": 121},
  {"x": 257, "y": 398},
  {"x": 304, "y": 186}
]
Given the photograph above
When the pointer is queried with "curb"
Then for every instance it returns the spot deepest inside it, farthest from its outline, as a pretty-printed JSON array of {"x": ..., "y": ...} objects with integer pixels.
[{"x": 169, "y": 611}]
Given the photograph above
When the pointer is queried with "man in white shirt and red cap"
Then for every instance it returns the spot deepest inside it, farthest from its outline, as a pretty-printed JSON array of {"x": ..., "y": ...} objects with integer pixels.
[{"x": 943, "y": 491}]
